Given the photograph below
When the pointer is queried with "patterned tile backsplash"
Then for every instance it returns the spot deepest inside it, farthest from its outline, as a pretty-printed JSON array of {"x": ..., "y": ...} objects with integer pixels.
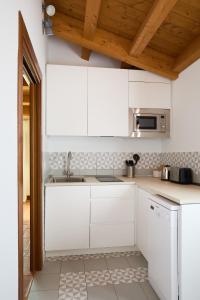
[
  {"x": 183, "y": 159},
  {"x": 102, "y": 160},
  {"x": 91, "y": 163}
]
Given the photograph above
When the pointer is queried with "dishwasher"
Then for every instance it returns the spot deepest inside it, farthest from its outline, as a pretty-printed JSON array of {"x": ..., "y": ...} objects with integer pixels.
[{"x": 163, "y": 247}]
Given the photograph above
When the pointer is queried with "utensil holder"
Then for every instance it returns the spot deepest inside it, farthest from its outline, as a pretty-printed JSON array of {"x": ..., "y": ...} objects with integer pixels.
[{"x": 130, "y": 171}]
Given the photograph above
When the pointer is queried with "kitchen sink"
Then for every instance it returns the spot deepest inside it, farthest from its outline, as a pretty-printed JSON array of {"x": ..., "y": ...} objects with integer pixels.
[{"x": 63, "y": 179}]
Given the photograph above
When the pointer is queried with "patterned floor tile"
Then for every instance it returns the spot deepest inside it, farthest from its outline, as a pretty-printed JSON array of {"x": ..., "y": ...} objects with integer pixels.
[
  {"x": 72, "y": 286},
  {"x": 98, "y": 278},
  {"x": 96, "y": 256},
  {"x": 128, "y": 275}
]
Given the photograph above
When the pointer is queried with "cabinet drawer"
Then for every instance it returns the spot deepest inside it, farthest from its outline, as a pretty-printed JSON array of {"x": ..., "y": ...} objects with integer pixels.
[
  {"x": 112, "y": 191},
  {"x": 112, "y": 210},
  {"x": 111, "y": 235}
]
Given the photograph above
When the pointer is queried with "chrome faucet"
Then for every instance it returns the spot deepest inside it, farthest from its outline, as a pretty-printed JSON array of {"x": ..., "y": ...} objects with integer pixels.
[{"x": 67, "y": 171}]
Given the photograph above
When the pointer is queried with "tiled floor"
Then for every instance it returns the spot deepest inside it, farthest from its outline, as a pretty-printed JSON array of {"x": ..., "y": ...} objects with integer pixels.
[{"x": 114, "y": 276}]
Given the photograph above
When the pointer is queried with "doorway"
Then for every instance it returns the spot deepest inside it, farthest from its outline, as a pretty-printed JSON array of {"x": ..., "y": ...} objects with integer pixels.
[{"x": 29, "y": 163}]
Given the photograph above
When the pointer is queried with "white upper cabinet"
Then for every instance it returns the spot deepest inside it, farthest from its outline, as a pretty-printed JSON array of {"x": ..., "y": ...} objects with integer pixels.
[
  {"x": 147, "y": 90},
  {"x": 107, "y": 102},
  {"x": 66, "y": 100},
  {"x": 145, "y": 76}
]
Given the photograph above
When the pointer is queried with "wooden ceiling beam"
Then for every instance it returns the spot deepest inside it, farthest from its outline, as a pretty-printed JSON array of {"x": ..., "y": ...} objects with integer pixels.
[
  {"x": 112, "y": 45},
  {"x": 91, "y": 18},
  {"x": 190, "y": 54},
  {"x": 152, "y": 22}
]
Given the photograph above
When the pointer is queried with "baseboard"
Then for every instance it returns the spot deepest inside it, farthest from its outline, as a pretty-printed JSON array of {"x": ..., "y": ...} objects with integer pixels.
[{"x": 90, "y": 251}]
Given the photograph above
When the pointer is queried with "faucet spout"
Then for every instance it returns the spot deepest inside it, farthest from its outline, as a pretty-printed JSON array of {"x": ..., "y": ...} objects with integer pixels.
[{"x": 67, "y": 170}]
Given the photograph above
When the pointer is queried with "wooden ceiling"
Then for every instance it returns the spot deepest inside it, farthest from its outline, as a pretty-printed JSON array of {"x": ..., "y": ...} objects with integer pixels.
[{"x": 162, "y": 36}]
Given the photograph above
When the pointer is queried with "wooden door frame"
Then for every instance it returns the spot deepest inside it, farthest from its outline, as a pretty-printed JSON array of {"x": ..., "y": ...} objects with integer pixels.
[{"x": 26, "y": 52}]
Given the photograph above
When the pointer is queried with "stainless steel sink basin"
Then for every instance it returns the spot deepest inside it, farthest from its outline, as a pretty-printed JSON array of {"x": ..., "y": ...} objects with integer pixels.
[{"x": 63, "y": 179}]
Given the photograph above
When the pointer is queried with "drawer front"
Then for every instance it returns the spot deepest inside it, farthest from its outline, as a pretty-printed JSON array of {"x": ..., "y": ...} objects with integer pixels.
[
  {"x": 102, "y": 236},
  {"x": 112, "y": 191},
  {"x": 112, "y": 210},
  {"x": 66, "y": 237}
]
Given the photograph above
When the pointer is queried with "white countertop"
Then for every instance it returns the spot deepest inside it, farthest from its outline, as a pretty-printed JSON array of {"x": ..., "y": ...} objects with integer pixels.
[{"x": 181, "y": 194}]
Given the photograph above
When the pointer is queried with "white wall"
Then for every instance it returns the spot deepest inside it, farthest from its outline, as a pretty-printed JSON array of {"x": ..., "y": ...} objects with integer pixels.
[
  {"x": 61, "y": 52},
  {"x": 31, "y": 11},
  {"x": 101, "y": 144},
  {"x": 185, "y": 135}
]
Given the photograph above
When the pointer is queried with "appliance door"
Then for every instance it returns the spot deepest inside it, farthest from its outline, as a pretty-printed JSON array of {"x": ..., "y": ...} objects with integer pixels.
[
  {"x": 162, "y": 245},
  {"x": 146, "y": 122}
]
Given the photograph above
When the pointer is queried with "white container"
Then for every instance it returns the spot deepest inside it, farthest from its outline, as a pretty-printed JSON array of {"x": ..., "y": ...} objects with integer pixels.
[{"x": 156, "y": 173}]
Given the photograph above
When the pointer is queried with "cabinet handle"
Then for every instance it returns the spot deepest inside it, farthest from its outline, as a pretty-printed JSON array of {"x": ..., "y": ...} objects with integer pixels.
[{"x": 152, "y": 207}]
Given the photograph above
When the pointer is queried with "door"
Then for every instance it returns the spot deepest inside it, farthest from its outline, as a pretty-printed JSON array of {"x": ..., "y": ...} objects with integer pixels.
[
  {"x": 29, "y": 163},
  {"x": 107, "y": 102}
]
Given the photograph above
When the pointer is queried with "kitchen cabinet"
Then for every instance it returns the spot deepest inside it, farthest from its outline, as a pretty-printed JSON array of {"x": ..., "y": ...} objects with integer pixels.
[
  {"x": 67, "y": 215},
  {"x": 107, "y": 102},
  {"x": 147, "y": 90},
  {"x": 112, "y": 216},
  {"x": 142, "y": 211},
  {"x": 66, "y": 111}
]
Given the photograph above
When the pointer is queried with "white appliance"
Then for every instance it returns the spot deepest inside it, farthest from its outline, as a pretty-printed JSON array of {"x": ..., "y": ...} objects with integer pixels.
[{"x": 163, "y": 247}]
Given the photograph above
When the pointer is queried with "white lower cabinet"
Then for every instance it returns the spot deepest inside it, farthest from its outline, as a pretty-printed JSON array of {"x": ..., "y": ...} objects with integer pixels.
[
  {"x": 82, "y": 217},
  {"x": 112, "y": 216},
  {"x": 67, "y": 215}
]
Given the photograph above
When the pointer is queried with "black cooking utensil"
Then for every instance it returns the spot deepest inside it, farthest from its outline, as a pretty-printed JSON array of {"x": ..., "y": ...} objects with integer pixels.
[
  {"x": 129, "y": 163},
  {"x": 136, "y": 158}
]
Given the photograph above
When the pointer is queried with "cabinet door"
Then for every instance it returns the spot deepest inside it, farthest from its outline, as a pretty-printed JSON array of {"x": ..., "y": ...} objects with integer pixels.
[
  {"x": 145, "y": 76},
  {"x": 67, "y": 210},
  {"x": 66, "y": 110},
  {"x": 142, "y": 211},
  {"x": 149, "y": 95},
  {"x": 107, "y": 102}
]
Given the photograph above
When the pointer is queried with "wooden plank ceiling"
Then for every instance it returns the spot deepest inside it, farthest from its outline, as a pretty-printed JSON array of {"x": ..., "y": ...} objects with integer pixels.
[{"x": 161, "y": 36}]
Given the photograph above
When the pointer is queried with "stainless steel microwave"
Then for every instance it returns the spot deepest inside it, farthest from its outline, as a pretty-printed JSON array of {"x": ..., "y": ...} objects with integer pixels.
[{"x": 149, "y": 122}]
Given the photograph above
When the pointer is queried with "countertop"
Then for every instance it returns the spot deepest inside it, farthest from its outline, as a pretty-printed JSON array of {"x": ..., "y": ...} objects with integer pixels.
[{"x": 181, "y": 194}]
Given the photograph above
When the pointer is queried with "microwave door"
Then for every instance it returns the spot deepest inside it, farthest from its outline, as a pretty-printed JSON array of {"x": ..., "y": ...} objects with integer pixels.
[{"x": 146, "y": 123}]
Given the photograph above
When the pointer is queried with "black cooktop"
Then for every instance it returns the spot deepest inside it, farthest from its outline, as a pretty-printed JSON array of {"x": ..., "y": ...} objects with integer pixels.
[{"x": 103, "y": 178}]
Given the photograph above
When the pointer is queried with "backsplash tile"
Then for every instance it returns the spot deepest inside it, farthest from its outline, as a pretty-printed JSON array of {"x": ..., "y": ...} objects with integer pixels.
[
  {"x": 120, "y": 158},
  {"x": 83, "y": 160},
  {"x": 149, "y": 160},
  {"x": 182, "y": 159},
  {"x": 102, "y": 161},
  {"x": 113, "y": 163},
  {"x": 105, "y": 160}
]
